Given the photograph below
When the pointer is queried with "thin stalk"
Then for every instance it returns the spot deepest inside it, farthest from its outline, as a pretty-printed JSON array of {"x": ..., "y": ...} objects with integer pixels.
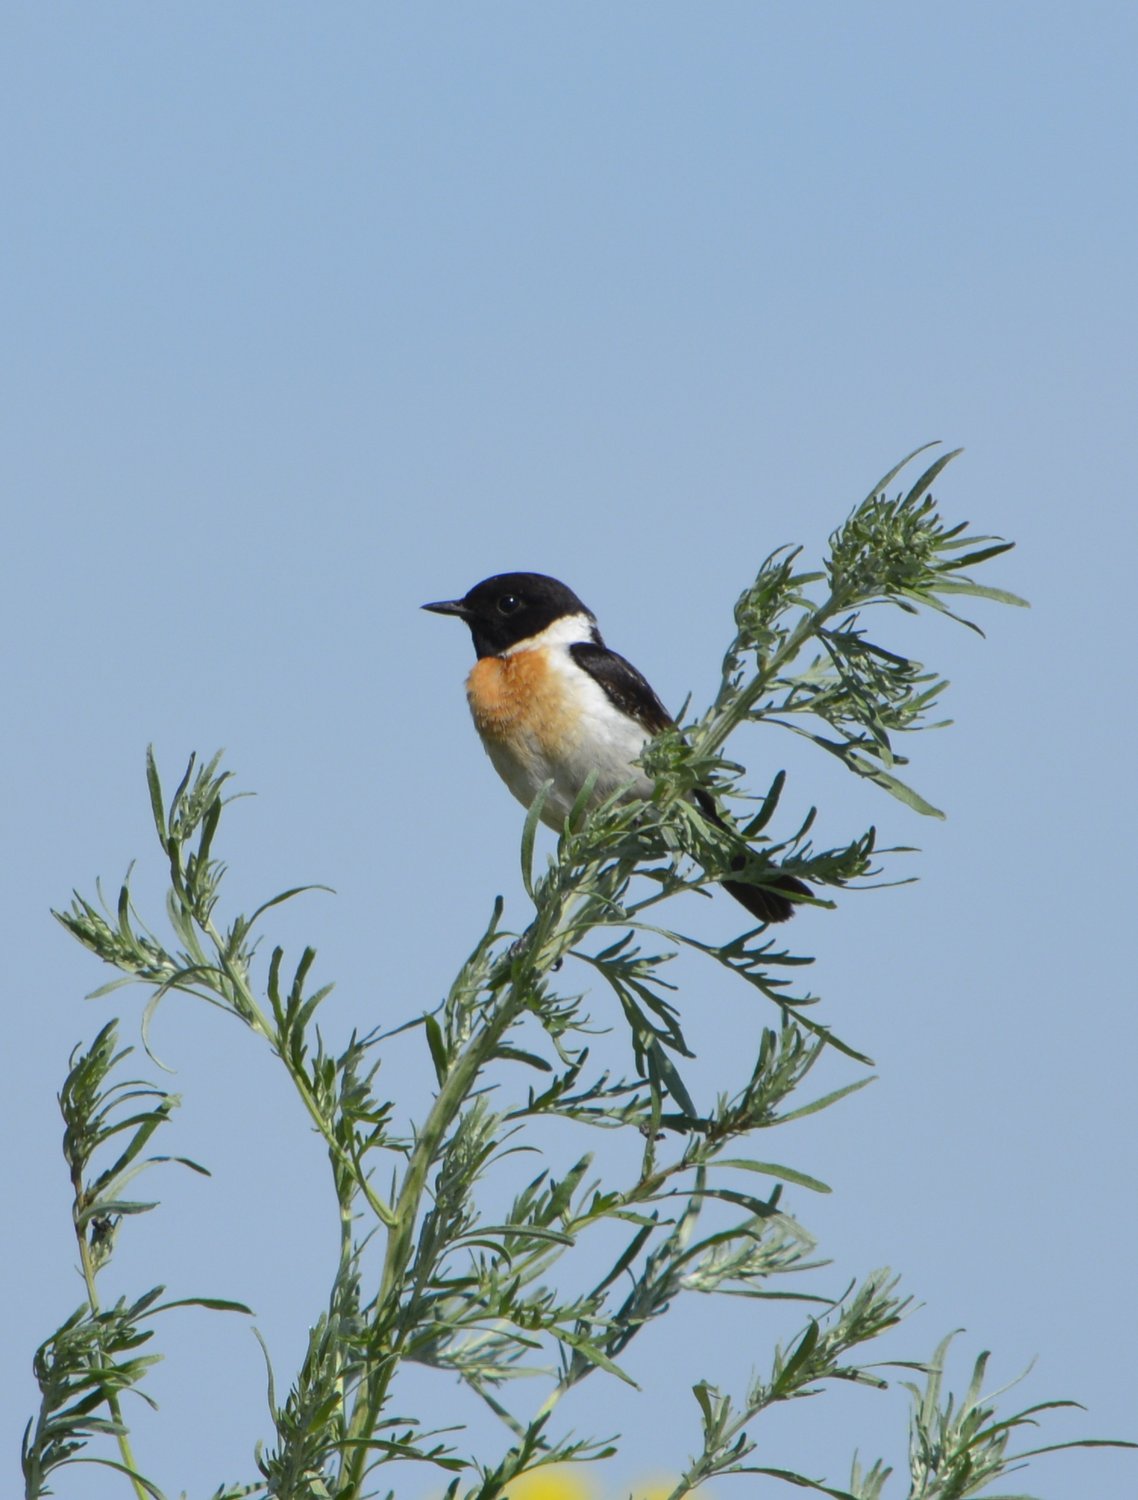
[
  {"x": 260, "y": 1022},
  {"x": 450, "y": 1099},
  {"x": 745, "y": 699},
  {"x": 544, "y": 943},
  {"x": 114, "y": 1406}
]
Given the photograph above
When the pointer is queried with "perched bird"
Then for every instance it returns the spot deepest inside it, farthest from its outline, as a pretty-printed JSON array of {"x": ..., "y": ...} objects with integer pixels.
[{"x": 552, "y": 703}]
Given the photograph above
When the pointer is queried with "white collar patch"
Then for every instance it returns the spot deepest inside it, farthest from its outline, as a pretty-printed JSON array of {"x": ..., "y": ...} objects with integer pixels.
[{"x": 569, "y": 630}]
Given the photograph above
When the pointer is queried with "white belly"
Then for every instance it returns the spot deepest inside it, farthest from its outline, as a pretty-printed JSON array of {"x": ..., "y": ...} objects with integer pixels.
[
  {"x": 605, "y": 742},
  {"x": 542, "y": 718}
]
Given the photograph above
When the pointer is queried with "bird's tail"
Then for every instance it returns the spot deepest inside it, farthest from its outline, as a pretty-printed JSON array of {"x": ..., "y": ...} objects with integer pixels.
[{"x": 766, "y": 902}]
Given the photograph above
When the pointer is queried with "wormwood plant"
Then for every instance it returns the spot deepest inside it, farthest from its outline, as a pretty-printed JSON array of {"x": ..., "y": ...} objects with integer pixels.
[{"x": 425, "y": 1274}]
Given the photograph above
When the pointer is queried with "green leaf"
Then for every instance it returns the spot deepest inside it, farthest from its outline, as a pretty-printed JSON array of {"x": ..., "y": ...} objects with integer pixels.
[
  {"x": 582, "y": 800},
  {"x": 531, "y": 1059},
  {"x": 887, "y": 479},
  {"x": 701, "y": 1393},
  {"x": 106, "y": 1208},
  {"x": 529, "y": 835},
  {"x": 759, "y": 1207},
  {"x": 980, "y": 591},
  {"x": 771, "y": 1169},
  {"x": 296, "y": 890},
  {"x": 109, "y": 1463},
  {"x": 827, "y": 1099},
  {"x": 1075, "y": 1442},
  {"x": 523, "y": 1231},
  {"x": 806, "y": 1346},
  {"x": 627, "y": 1255},
  {"x": 180, "y": 790},
  {"x": 929, "y": 477},
  {"x": 183, "y": 1161},
  {"x": 893, "y": 785},
  {"x": 790, "y": 1477},
  {"x": 766, "y": 811},
  {"x": 214, "y": 1304},
  {"x": 973, "y": 559},
  {"x": 438, "y": 1048},
  {"x": 157, "y": 806},
  {"x": 665, "y": 1072},
  {"x": 594, "y": 1355}
]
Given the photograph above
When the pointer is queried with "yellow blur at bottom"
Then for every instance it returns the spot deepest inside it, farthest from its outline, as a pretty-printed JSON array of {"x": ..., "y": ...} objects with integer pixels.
[
  {"x": 568, "y": 1483},
  {"x": 551, "y": 1484}
]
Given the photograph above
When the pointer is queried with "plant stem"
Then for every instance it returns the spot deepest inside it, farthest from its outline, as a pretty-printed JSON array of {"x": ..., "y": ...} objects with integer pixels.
[
  {"x": 448, "y": 1103},
  {"x": 543, "y": 943},
  {"x": 114, "y": 1406},
  {"x": 256, "y": 1018},
  {"x": 721, "y": 730}
]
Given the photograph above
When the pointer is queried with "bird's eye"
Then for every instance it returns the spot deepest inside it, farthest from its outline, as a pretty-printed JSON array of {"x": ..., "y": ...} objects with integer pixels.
[{"x": 508, "y": 603}]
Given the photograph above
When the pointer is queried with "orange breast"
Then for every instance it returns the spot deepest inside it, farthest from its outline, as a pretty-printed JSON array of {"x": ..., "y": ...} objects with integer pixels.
[{"x": 518, "y": 696}]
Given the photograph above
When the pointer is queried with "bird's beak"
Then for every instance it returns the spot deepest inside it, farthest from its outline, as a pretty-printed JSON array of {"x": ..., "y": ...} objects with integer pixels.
[{"x": 447, "y": 607}]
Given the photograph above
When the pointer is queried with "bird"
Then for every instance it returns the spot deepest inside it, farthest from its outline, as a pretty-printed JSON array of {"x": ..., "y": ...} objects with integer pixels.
[{"x": 553, "y": 705}]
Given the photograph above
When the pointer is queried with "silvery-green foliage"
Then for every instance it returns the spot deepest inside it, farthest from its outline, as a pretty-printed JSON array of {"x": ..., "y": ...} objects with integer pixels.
[{"x": 703, "y": 1213}]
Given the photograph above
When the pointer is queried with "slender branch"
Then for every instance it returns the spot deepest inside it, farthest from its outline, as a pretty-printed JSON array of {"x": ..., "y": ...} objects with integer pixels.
[{"x": 114, "y": 1405}]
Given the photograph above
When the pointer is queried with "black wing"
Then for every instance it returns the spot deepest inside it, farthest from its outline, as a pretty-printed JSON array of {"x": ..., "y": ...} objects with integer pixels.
[
  {"x": 762, "y": 901},
  {"x": 627, "y": 690}
]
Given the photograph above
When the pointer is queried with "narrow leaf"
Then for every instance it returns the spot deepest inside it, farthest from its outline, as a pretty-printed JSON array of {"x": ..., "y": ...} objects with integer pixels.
[
  {"x": 887, "y": 479},
  {"x": 529, "y": 834},
  {"x": 827, "y": 1099},
  {"x": 438, "y": 1047},
  {"x": 595, "y": 1356},
  {"x": 930, "y": 475},
  {"x": 515, "y": 1054},
  {"x": 296, "y": 890},
  {"x": 980, "y": 591},
  {"x": 109, "y": 1463},
  {"x": 667, "y": 1074},
  {"x": 771, "y": 1169},
  {"x": 215, "y": 1304},
  {"x": 157, "y": 806},
  {"x": 800, "y": 1480},
  {"x": 700, "y": 1392}
]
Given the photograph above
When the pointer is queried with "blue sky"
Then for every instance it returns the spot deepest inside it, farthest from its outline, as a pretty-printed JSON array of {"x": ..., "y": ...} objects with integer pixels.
[{"x": 313, "y": 313}]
